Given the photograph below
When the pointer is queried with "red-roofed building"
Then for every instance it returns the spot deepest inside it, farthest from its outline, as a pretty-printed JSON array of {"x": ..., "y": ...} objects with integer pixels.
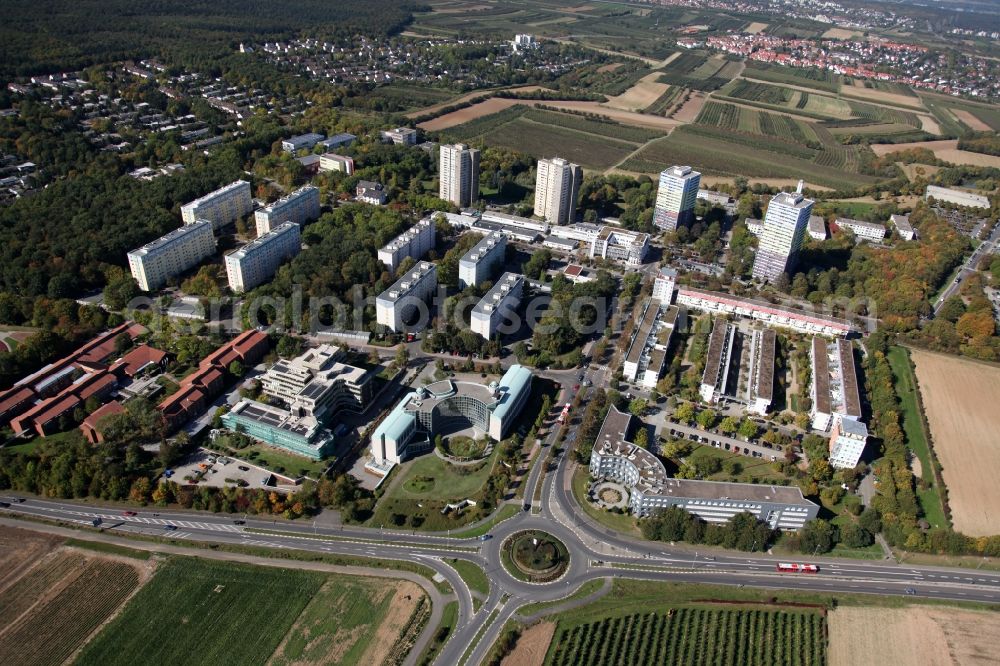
[
  {"x": 43, "y": 416},
  {"x": 91, "y": 424},
  {"x": 139, "y": 360},
  {"x": 179, "y": 408}
]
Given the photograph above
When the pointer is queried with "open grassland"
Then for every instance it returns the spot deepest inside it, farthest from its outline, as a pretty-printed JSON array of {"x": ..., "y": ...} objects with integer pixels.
[
  {"x": 694, "y": 635},
  {"x": 946, "y": 150},
  {"x": 810, "y": 78},
  {"x": 927, "y": 635},
  {"x": 960, "y": 398},
  {"x": 51, "y": 609},
  {"x": 206, "y": 612}
]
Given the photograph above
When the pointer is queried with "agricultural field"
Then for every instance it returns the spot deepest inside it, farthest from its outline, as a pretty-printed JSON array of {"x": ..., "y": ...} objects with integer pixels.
[
  {"x": 403, "y": 97},
  {"x": 665, "y": 102},
  {"x": 809, "y": 78},
  {"x": 719, "y": 152},
  {"x": 959, "y": 397},
  {"x": 645, "y": 91},
  {"x": 592, "y": 143},
  {"x": 886, "y": 92},
  {"x": 943, "y": 109},
  {"x": 946, "y": 150},
  {"x": 780, "y": 98},
  {"x": 53, "y": 607},
  {"x": 751, "y": 121},
  {"x": 694, "y": 635},
  {"x": 914, "y": 635},
  {"x": 699, "y": 71}
]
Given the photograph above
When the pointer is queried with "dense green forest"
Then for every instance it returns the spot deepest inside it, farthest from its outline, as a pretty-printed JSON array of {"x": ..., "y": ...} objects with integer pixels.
[{"x": 39, "y": 36}]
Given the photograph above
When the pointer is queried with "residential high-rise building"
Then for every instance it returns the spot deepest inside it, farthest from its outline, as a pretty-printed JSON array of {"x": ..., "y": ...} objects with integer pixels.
[
  {"x": 784, "y": 228},
  {"x": 459, "y": 171},
  {"x": 414, "y": 242},
  {"x": 557, "y": 185},
  {"x": 256, "y": 261},
  {"x": 408, "y": 294},
  {"x": 221, "y": 207},
  {"x": 497, "y": 305},
  {"x": 156, "y": 262},
  {"x": 676, "y": 196},
  {"x": 479, "y": 263},
  {"x": 299, "y": 207},
  {"x": 663, "y": 285}
]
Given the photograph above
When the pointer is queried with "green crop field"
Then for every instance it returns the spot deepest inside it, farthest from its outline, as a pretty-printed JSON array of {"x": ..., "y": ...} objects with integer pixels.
[
  {"x": 779, "y": 98},
  {"x": 592, "y": 143},
  {"x": 751, "y": 121},
  {"x": 697, "y": 70},
  {"x": 205, "y": 612},
  {"x": 695, "y": 636},
  {"x": 809, "y": 78},
  {"x": 403, "y": 97},
  {"x": 940, "y": 107},
  {"x": 665, "y": 101},
  {"x": 89, "y": 591},
  {"x": 720, "y": 152}
]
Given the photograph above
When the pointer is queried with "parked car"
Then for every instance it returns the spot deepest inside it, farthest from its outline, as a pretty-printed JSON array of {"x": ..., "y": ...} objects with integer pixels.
[
  {"x": 239, "y": 522},
  {"x": 244, "y": 468},
  {"x": 129, "y": 514},
  {"x": 486, "y": 537},
  {"x": 96, "y": 521}
]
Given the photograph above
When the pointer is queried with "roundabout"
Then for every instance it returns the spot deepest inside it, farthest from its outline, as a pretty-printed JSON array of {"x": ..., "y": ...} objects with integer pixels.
[{"x": 534, "y": 556}]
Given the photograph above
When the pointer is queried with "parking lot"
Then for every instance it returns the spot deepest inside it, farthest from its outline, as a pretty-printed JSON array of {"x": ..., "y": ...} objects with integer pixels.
[{"x": 207, "y": 468}]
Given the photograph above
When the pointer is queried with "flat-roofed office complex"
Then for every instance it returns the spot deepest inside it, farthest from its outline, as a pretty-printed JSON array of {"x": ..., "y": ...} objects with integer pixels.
[
  {"x": 497, "y": 305},
  {"x": 785, "y": 226},
  {"x": 415, "y": 242},
  {"x": 675, "y": 197},
  {"x": 300, "y": 206},
  {"x": 220, "y": 207},
  {"x": 447, "y": 406},
  {"x": 557, "y": 184},
  {"x": 401, "y": 302},
  {"x": 156, "y": 262},
  {"x": 480, "y": 262},
  {"x": 957, "y": 197},
  {"x": 258, "y": 260},
  {"x": 643, "y": 475},
  {"x": 459, "y": 174},
  {"x": 628, "y": 247}
]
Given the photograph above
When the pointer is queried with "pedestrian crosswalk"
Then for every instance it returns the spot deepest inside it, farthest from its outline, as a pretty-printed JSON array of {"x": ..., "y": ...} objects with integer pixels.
[{"x": 147, "y": 520}]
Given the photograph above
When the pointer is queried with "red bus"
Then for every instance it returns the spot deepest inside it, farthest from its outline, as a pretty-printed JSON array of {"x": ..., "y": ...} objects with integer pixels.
[
  {"x": 564, "y": 415},
  {"x": 785, "y": 567}
]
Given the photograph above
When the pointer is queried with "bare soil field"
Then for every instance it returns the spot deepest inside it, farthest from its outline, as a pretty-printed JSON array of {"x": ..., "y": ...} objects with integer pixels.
[
  {"x": 464, "y": 98},
  {"x": 960, "y": 398},
  {"x": 388, "y": 633},
  {"x": 691, "y": 108},
  {"x": 840, "y": 33},
  {"x": 531, "y": 646},
  {"x": 946, "y": 150},
  {"x": 926, "y": 635},
  {"x": 929, "y": 124},
  {"x": 20, "y": 550},
  {"x": 645, "y": 91},
  {"x": 603, "y": 69},
  {"x": 755, "y": 27},
  {"x": 496, "y": 104},
  {"x": 970, "y": 120}
]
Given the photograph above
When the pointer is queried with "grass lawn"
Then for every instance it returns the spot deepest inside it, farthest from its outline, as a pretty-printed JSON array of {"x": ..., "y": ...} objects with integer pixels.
[
  {"x": 585, "y": 590},
  {"x": 622, "y": 522},
  {"x": 280, "y": 461},
  {"x": 204, "y": 612},
  {"x": 474, "y": 577},
  {"x": 449, "y": 618},
  {"x": 505, "y": 512},
  {"x": 753, "y": 470},
  {"x": 450, "y": 482},
  {"x": 916, "y": 438}
]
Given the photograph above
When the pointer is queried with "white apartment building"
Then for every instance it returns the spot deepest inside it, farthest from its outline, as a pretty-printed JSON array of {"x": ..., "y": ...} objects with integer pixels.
[
  {"x": 404, "y": 299},
  {"x": 717, "y": 359},
  {"x": 156, "y": 262},
  {"x": 300, "y": 206},
  {"x": 628, "y": 247},
  {"x": 258, "y": 260},
  {"x": 479, "y": 263},
  {"x": 675, "y": 197},
  {"x": 524, "y": 41},
  {"x": 834, "y": 389},
  {"x": 335, "y": 162},
  {"x": 957, "y": 197},
  {"x": 863, "y": 230},
  {"x": 401, "y": 136},
  {"x": 459, "y": 175},
  {"x": 415, "y": 242},
  {"x": 816, "y": 228},
  {"x": 221, "y": 207},
  {"x": 760, "y": 389},
  {"x": 754, "y": 226},
  {"x": 301, "y": 142},
  {"x": 784, "y": 228},
  {"x": 663, "y": 285},
  {"x": 773, "y": 315},
  {"x": 370, "y": 192},
  {"x": 847, "y": 443},
  {"x": 903, "y": 226},
  {"x": 648, "y": 347},
  {"x": 496, "y": 306},
  {"x": 557, "y": 185}
]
